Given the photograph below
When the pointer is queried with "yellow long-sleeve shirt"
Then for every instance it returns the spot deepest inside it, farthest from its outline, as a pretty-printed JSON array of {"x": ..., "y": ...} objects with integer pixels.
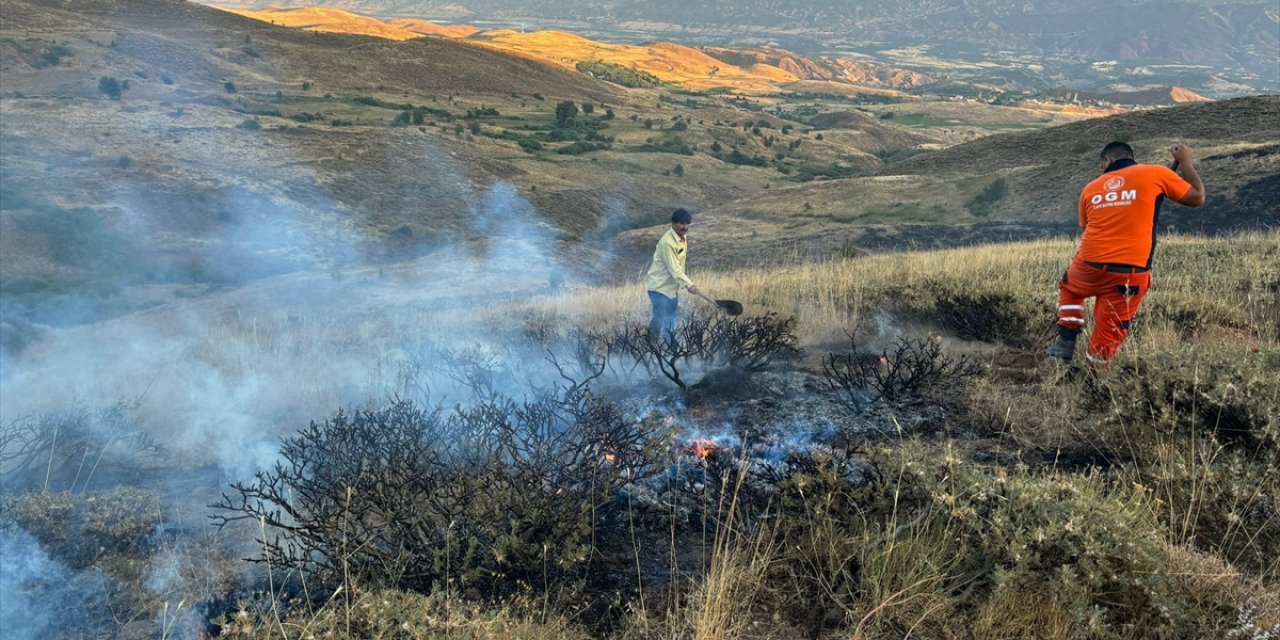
[{"x": 666, "y": 272}]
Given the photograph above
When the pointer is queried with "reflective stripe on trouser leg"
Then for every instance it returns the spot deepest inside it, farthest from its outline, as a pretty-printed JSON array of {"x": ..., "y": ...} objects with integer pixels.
[{"x": 1070, "y": 306}]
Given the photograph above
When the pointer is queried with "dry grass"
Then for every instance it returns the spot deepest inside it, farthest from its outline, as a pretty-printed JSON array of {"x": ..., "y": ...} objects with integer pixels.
[{"x": 827, "y": 297}]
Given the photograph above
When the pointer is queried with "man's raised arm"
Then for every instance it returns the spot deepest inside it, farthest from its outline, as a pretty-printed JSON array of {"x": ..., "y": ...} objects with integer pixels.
[{"x": 1182, "y": 161}]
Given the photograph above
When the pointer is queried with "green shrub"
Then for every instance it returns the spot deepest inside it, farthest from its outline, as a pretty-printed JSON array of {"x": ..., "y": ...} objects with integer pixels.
[
  {"x": 581, "y": 147},
  {"x": 666, "y": 143},
  {"x": 52, "y": 56},
  {"x": 109, "y": 86},
  {"x": 1098, "y": 554},
  {"x": 1200, "y": 429},
  {"x": 984, "y": 202},
  {"x": 389, "y": 614},
  {"x": 566, "y": 111},
  {"x": 112, "y": 530},
  {"x": 618, "y": 74},
  {"x": 925, "y": 543},
  {"x": 738, "y": 157}
]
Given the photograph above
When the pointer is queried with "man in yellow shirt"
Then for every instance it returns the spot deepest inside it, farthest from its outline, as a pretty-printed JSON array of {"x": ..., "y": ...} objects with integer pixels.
[{"x": 666, "y": 275}]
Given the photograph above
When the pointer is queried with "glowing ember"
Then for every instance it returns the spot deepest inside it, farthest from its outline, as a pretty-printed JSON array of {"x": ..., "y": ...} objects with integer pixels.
[{"x": 610, "y": 456}]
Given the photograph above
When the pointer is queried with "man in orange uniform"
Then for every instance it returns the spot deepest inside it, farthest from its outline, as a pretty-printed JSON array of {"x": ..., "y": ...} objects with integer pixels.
[{"x": 1118, "y": 212}]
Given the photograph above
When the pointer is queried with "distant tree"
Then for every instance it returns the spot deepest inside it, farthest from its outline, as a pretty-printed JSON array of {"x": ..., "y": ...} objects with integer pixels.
[
  {"x": 587, "y": 108},
  {"x": 618, "y": 74},
  {"x": 166, "y": 78},
  {"x": 608, "y": 114},
  {"x": 678, "y": 170},
  {"x": 565, "y": 112},
  {"x": 250, "y": 125},
  {"x": 124, "y": 85},
  {"x": 54, "y": 55},
  {"x": 306, "y": 86},
  {"x": 475, "y": 128},
  {"x": 109, "y": 86},
  {"x": 680, "y": 125},
  {"x": 648, "y": 123},
  {"x": 229, "y": 86},
  {"x": 716, "y": 147}
]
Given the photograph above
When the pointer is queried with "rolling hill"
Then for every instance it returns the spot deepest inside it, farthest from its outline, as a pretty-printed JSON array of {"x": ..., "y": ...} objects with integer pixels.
[
  {"x": 160, "y": 148},
  {"x": 937, "y": 198},
  {"x": 744, "y": 70}
]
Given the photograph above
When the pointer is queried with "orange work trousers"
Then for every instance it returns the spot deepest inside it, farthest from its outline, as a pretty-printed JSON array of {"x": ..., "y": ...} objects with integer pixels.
[{"x": 1117, "y": 296}]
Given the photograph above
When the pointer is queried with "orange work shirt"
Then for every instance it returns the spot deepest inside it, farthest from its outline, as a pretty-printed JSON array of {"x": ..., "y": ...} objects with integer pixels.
[{"x": 1119, "y": 210}]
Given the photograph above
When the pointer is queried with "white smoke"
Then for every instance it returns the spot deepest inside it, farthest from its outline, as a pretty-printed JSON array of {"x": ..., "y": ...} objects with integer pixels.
[{"x": 38, "y": 595}]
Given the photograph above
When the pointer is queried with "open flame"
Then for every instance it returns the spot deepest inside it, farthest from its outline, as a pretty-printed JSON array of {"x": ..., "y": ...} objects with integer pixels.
[{"x": 701, "y": 448}]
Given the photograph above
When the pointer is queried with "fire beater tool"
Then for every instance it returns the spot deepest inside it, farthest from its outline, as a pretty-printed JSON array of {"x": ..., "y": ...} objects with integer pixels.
[{"x": 731, "y": 307}]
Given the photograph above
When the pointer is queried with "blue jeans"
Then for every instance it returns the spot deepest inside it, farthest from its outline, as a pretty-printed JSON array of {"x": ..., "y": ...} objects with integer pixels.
[{"x": 664, "y": 314}]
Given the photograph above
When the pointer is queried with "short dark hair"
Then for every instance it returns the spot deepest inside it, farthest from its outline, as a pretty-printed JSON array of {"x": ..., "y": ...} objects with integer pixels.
[
  {"x": 682, "y": 216},
  {"x": 1117, "y": 150}
]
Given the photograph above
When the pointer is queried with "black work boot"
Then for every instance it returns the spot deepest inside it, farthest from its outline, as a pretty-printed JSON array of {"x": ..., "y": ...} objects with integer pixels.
[{"x": 1065, "y": 347}]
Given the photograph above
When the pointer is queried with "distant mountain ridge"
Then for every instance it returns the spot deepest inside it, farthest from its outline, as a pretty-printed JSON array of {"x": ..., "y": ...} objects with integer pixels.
[
  {"x": 1195, "y": 32},
  {"x": 758, "y": 69},
  {"x": 744, "y": 69}
]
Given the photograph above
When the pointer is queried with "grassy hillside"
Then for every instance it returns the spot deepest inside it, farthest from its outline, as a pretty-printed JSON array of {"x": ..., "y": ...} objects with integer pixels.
[
  {"x": 1010, "y": 185},
  {"x": 828, "y": 510}
]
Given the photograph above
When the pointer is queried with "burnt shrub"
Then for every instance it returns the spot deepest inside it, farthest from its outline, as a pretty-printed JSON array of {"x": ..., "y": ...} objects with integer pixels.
[
  {"x": 702, "y": 342},
  {"x": 478, "y": 370},
  {"x": 496, "y": 496},
  {"x": 990, "y": 316},
  {"x": 69, "y": 449},
  {"x": 910, "y": 367}
]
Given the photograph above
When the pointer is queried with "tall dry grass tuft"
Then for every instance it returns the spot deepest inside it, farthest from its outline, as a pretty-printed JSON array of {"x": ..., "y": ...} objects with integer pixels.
[{"x": 721, "y": 605}]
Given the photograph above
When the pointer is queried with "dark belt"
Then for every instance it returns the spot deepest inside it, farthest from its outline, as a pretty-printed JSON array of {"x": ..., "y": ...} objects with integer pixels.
[{"x": 1117, "y": 268}]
